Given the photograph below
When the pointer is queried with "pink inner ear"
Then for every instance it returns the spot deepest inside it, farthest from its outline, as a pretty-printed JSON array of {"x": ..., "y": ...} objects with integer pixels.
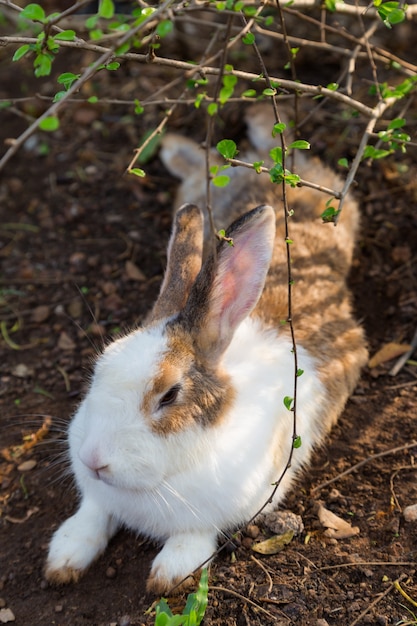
[{"x": 240, "y": 280}]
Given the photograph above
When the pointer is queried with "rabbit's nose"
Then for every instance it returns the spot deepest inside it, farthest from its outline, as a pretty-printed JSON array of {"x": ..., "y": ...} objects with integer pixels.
[{"x": 91, "y": 458}]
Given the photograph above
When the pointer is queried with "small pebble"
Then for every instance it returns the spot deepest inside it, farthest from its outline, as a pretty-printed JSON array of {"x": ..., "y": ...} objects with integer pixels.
[
  {"x": 59, "y": 608},
  {"x": 6, "y": 615},
  {"x": 322, "y": 622},
  {"x": 124, "y": 620},
  {"x": 252, "y": 531},
  {"x": 410, "y": 513},
  {"x": 41, "y": 313},
  {"x": 22, "y": 371},
  {"x": 111, "y": 572},
  {"x": 280, "y": 522}
]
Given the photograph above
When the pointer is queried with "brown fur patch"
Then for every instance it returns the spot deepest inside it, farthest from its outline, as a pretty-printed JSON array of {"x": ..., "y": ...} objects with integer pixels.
[{"x": 205, "y": 393}]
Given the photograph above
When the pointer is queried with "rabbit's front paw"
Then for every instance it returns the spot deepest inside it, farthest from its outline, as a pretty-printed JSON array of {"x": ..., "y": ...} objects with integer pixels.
[
  {"x": 75, "y": 545},
  {"x": 181, "y": 556}
]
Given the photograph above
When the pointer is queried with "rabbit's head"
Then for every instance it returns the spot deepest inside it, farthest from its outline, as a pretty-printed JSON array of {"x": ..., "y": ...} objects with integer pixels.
[{"x": 156, "y": 392}]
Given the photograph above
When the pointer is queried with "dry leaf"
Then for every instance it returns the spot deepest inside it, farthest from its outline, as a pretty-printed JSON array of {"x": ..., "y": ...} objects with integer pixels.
[
  {"x": 388, "y": 352},
  {"x": 133, "y": 272},
  {"x": 273, "y": 545},
  {"x": 335, "y": 526},
  {"x": 65, "y": 342},
  {"x": 28, "y": 465}
]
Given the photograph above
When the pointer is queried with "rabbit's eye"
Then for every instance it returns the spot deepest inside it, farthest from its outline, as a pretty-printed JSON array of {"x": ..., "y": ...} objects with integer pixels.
[{"x": 170, "y": 396}]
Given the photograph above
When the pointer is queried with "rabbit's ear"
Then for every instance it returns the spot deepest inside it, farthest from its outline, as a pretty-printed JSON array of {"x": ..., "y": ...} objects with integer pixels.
[
  {"x": 185, "y": 250},
  {"x": 230, "y": 284},
  {"x": 181, "y": 156}
]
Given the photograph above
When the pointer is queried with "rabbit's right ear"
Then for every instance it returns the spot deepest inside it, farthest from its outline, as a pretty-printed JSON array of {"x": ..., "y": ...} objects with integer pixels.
[
  {"x": 185, "y": 251},
  {"x": 181, "y": 156},
  {"x": 230, "y": 283}
]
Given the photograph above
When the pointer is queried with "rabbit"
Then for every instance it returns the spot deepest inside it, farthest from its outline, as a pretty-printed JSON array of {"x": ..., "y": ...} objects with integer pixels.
[{"x": 184, "y": 429}]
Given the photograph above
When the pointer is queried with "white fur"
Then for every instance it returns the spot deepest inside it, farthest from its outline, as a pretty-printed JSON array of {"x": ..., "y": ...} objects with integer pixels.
[{"x": 182, "y": 488}]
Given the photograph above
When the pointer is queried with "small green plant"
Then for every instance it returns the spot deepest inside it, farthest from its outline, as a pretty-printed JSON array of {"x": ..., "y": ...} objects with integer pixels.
[{"x": 194, "y": 609}]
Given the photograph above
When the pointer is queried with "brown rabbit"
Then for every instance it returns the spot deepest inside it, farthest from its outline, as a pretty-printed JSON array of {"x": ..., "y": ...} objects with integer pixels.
[{"x": 184, "y": 427}]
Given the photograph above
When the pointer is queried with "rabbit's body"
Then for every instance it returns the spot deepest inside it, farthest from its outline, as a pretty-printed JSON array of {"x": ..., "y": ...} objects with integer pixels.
[{"x": 184, "y": 428}]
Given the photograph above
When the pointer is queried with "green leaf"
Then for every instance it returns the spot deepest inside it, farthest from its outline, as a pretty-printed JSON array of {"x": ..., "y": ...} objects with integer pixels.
[
  {"x": 225, "y": 94},
  {"x": 52, "y": 45},
  {"x": 249, "y": 93},
  {"x": 42, "y": 65},
  {"x": 66, "y": 35},
  {"x": 67, "y": 79},
  {"x": 229, "y": 80},
  {"x": 248, "y": 39},
  {"x": 296, "y": 442},
  {"x": 221, "y": 181},
  {"x": 391, "y": 13},
  {"x": 276, "y": 154},
  {"x": 212, "y": 108},
  {"x": 269, "y": 92},
  {"x": 291, "y": 179},
  {"x": 92, "y": 99},
  {"x": 333, "y": 86},
  {"x": 330, "y": 5},
  {"x": 278, "y": 129},
  {"x": 399, "y": 122},
  {"x": 59, "y": 95},
  {"x": 257, "y": 166},
  {"x": 276, "y": 173},
  {"x": 91, "y": 22},
  {"x": 329, "y": 215},
  {"x": 96, "y": 34},
  {"x": 249, "y": 11},
  {"x": 300, "y": 372},
  {"x": 139, "y": 109},
  {"x": 227, "y": 148},
  {"x": 49, "y": 124},
  {"x": 288, "y": 401},
  {"x": 343, "y": 162},
  {"x": 202, "y": 596},
  {"x": 375, "y": 153},
  {"x": 300, "y": 144},
  {"x": 106, "y": 9},
  {"x": 112, "y": 66},
  {"x": 33, "y": 12},
  {"x": 20, "y": 52},
  {"x": 164, "y": 28},
  {"x": 137, "y": 172}
]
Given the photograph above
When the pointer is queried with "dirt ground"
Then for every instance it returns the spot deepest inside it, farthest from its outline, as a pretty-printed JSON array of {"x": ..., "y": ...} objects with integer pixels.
[{"x": 82, "y": 251}]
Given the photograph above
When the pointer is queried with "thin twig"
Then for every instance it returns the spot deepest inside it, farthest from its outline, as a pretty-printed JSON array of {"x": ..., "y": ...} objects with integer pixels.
[
  {"x": 367, "y": 564},
  {"x": 301, "y": 182},
  {"x": 258, "y": 607},
  {"x": 378, "y": 111},
  {"x": 379, "y": 455},
  {"x": 315, "y": 90},
  {"x": 209, "y": 134},
  {"x": 377, "y": 600},
  {"x": 391, "y": 482},
  {"x": 268, "y": 575}
]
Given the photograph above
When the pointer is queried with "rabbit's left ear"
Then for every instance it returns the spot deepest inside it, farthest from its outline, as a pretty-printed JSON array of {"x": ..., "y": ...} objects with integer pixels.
[
  {"x": 185, "y": 250},
  {"x": 229, "y": 285}
]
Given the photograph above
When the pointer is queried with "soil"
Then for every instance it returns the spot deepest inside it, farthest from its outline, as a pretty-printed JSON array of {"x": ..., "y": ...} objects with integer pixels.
[{"x": 82, "y": 249}]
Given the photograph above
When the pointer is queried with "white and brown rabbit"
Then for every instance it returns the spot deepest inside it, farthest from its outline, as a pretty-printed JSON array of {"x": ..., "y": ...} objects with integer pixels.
[{"x": 184, "y": 428}]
